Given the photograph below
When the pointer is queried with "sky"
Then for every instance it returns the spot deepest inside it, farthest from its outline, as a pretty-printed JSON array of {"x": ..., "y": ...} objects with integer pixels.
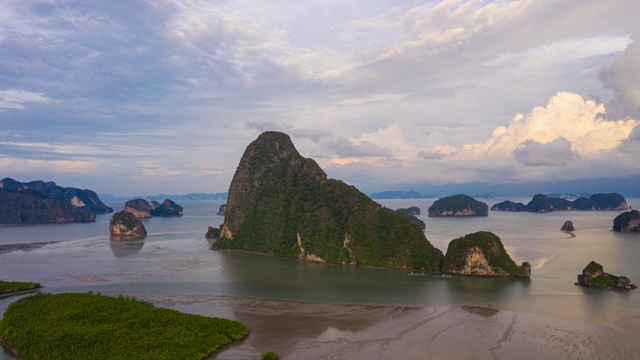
[{"x": 163, "y": 96}]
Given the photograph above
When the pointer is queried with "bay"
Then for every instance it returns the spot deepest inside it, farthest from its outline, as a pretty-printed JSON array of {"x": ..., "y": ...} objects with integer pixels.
[{"x": 175, "y": 258}]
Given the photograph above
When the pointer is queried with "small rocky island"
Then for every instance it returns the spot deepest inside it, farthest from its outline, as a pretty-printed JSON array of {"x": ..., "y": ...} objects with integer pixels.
[
  {"x": 283, "y": 204},
  {"x": 483, "y": 254},
  {"x": 458, "y": 205},
  {"x": 412, "y": 217},
  {"x": 140, "y": 208},
  {"x": 542, "y": 204},
  {"x": 222, "y": 209},
  {"x": 124, "y": 226},
  {"x": 568, "y": 226},
  {"x": 593, "y": 275},
  {"x": 628, "y": 221}
]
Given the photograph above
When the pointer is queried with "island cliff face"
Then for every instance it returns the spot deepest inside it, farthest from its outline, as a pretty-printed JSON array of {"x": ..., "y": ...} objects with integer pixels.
[
  {"x": 140, "y": 208},
  {"x": 283, "y": 204},
  {"x": 481, "y": 253},
  {"x": 125, "y": 225},
  {"x": 32, "y": 207},
  {"x": 72, "y": 196},
  {"x": 458, "y": 205},
  {"x": 628, "y": 221}
]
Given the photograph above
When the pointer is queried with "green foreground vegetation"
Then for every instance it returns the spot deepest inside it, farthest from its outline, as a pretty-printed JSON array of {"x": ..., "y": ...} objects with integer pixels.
[
  {"x": 93, "y": 326},
  {"x": 8, "y": 287}
]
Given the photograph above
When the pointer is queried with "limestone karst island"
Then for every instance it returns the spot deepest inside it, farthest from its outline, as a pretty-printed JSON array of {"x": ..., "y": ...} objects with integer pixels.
[{"x": 283, "y": 204}]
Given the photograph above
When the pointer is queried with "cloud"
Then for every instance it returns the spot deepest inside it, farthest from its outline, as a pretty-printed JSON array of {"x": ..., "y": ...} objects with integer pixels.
[
  {"x": 622, "y": 77},
  {"x": 555, "y": 153},
  {"x": 263, "y": 125},
  {"x": 566, "y": 115},
  {"x": 16, "y": 99}
]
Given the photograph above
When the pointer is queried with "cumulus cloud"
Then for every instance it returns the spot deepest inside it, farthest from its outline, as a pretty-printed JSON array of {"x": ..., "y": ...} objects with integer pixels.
[
  {"x": 622, "y": 77},
  {"x": 555, "y": 153},
  {"x": 567, "y": 115}
]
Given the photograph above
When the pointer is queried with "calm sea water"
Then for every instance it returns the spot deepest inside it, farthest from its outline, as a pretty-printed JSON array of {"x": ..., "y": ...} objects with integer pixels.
[{"x": 175, "y": 258}]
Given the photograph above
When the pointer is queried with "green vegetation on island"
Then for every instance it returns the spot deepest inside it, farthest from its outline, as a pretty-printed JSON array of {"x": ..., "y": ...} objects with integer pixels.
[
  {"x": 458, "y": 205},
  {"x": 283, "y": 204},
  {"x": 593, "y": 275},
  {"x": 32, "y": 207},
  {"x": 10, "y": 287},
  {"x": 481, "y": 253},
  {"x": 92, "y": 326}
]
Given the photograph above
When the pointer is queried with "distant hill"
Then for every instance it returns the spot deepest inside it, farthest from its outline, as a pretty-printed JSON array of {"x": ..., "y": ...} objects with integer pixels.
[
  {"x": 398, "y": 195},
  {"x": 160, "y": 197}
]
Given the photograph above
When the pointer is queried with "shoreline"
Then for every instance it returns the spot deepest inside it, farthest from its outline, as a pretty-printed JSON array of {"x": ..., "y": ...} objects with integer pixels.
[{"x": 4, "y": 295}]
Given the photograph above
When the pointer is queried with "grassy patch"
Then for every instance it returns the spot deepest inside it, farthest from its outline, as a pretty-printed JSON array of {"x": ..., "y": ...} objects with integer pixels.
[
  {"x": 7, "y": 287},
  {"x": 92, "y": 326}
]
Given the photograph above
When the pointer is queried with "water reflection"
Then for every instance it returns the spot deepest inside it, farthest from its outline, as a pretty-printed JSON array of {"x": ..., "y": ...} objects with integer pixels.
[
  {"x": 123, "y": 246},
  {"x": 5, "y": 249}
]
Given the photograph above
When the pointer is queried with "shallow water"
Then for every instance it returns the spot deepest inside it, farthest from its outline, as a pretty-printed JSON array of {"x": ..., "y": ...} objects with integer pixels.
[{"x": 175, "y": 258}]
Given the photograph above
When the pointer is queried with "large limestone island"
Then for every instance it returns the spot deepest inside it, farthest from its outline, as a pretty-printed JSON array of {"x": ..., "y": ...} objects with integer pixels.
[
  {"x": 541, "y": 203},
  {"x": 458, "y": 205},
  {"x": 45, "y": 202},
  {"x": 628, "y": 221},
  {"x": 481, "y": 253},
  {"x": 283, "y": 204}
]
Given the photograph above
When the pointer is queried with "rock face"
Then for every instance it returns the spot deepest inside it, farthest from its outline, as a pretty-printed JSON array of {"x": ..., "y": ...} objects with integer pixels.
[
  {"x": 568, "y": 226},
  {"x": 509, "y": 206},
  {"x": 481, "y": 253},
  {"x": 458, "y": 205},
  {"x": 593, "y": 275},
  {"x": 75, "y": 197},
  {"x": 628, "y": 221},
  {"x": 167, "y": 208},
  {"x": 125, "y": 224},
  {"x": 212, "y": 233},
  {"x": 413, "y": 210},
  {"x": 223, "y": 208},
  {"x": 541, "y": 203},
  {"x": 140, "y": 208},
  {"x": 283, "y": 204},
  {"x": 32, "y": 207}
]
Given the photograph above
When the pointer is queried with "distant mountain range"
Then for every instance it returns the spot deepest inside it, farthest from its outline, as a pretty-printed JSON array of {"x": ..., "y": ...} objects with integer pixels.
[{"x": 160, "y": 197}]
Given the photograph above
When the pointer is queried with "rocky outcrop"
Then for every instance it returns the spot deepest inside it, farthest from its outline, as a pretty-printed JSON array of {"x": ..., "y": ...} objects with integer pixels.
[
  {"x": 593, "y": 275},
  {"x": 481, "y": 253},
  {"x": 509, "y": 206},
  {"x": 458, "y": 205},
  {"x": 568, "y": 226},
  {"x": 212, "y": 233},
  {"x": 413, "y": 210},
  {"x": 542, "y": 204},
  {"x": 223, "y": 207},
  {"x": 167, "y": 208},
  {"x": 125, "y": 225},
  {"x": 628, "y": 221},
  {"x": 283, "y": 204},
  {"x": 140, "y": 208},
  {"x": 32, "y": 207},
  {"x": 77, "y": 198}
]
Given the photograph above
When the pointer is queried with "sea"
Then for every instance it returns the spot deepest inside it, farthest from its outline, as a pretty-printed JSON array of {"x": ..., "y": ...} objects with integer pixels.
[{"x": 176, "y": 258}]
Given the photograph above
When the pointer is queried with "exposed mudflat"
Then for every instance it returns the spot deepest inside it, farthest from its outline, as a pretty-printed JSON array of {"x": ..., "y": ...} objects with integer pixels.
[{"x": 299, "y": 330}]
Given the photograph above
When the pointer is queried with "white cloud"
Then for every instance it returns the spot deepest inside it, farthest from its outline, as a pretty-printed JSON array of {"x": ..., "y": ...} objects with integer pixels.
[
  {"x": 566, "y": 115},
  {"x": 554, "y": 153},
  {"x": 17, "y": 99}
]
